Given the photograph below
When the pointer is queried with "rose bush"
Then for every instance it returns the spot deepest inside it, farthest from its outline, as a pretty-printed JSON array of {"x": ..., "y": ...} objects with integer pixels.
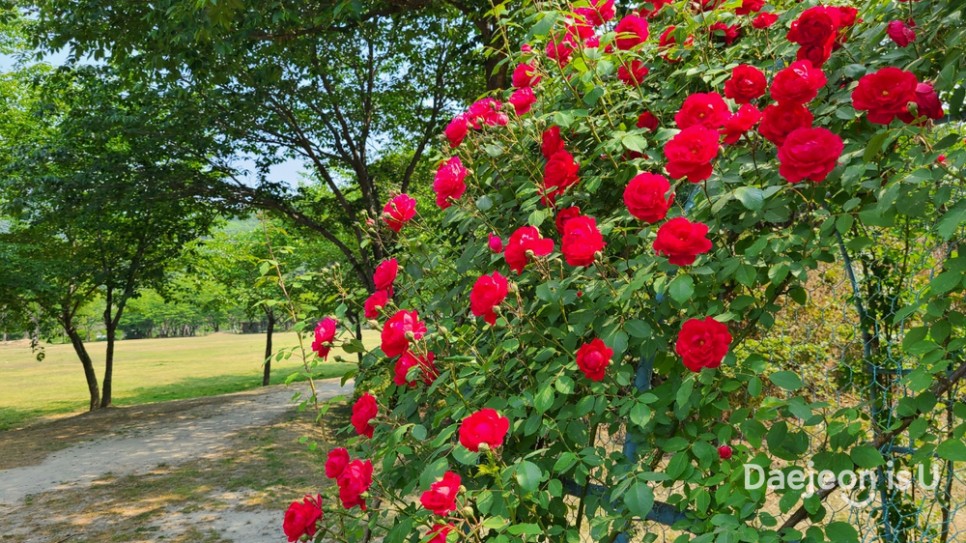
[{"x": 651, "y": 229}]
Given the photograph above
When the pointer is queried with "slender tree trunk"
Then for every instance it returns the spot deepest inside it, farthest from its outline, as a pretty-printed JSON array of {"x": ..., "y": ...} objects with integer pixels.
[
  {"x": 108, "y": 367},
  {"x": 267, "y": 375},
  {"x": 86, "y": 361}
]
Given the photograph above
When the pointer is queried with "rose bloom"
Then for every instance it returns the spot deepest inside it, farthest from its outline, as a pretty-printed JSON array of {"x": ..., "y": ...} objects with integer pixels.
[
  {"x": 439, "y": 532},
  {"x": 648, "y": 120},
  {"x": 355, "y": 481},
  {"x": 488, "y": 292},
  {"x": 927, "y": 102},
  {"x": 363, "y": 411},
  {"x": 885, "y": 94},
  {"x": 798, "y": 83},
  {"x": 582, "y": 241},
  {"x": 748, "y": 7},
  {"x": 707, "y": 109},
  {"x": 449, "y": 182},
  {"x": 398, "y": 211},
  {"x": 702, "y": 343},
  {"x": 441, "y": 496},
  {"x": 690, "y": 152},
  {"x": 724, "y": 452},
  {"x": 648, "y": 197},
  {"x": 335, "y": 462},
  {"x": 301, "y": 518},
  {"x": 729, "y": 33},
  {"x": 551, "y": 142},
  {"x": 667, "y": 41},
  {"x": 456, "y": 131},
  {"x": 376, "y": 301},
  {"x": 485, "y": 426},
  {"x": 593, "y": 359},
  {"x": 745, "y": 84},
  {"x": 385, "y": 274},
  {"x": 525, "y": 75},
  {"x": 524, "y": 239},
  {"x": 394, "y": 334},
  {"x": 495, "y": 243},
  {"x": 324, "y": 335},
  {"x": 657, "y": 4},
  {"x": 486, "y": 111},
  {"x": 560, "y": 49},
  {"x": 742, "y": 121},
  {"x": 407, "y": 361},
  {"x": 777, "y": 121},
  {"x": 764, "y": 20},
  {"x": 681, "y": 241},
  {"x": 523, "y": 100},
  {"x": 633, "y": 73},
  {"x": 599, "y": 13},
  {"x": 901, "y": 33},
  {"x": 809, "y": 153},
  {"x": 563, "y": 216},
  {"x": 559, "y": 174},
  {"x": 631, "y": 32}
]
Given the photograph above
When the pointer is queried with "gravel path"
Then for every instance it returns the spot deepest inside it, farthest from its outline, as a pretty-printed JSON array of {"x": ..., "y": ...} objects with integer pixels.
[{"x": 195, "y": 434}]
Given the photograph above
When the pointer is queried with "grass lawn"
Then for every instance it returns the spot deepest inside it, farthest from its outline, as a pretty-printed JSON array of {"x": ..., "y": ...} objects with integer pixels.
[{"x": 145, "y": 371}]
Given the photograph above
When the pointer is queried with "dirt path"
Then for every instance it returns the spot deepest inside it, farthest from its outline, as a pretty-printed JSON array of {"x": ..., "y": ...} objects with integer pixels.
[{"x": 215, "y": 469}]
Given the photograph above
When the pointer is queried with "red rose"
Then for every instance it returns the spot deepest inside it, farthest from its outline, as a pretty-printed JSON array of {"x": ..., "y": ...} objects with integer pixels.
[
  {"x": 777, "y": 121},
  {"x": 441, "y": 496},
  {"x": 363, "y": 411},
  {"x": 488, "y": 292},
  {"x": 439, "y": 532},
  {"x": 809, "y": 153},
  {"x": 706, "y": 109},
  {"x": 385, "y": 274},
  {"x": 901, "y": 33},
  {"x": 927, "y": 102},
  {"x": 324, "y": 335},
  {"x": 485, "y": 426},
  {"x": 657, "y": 5},
  {"x": 764, "y": 20},
  {"x": 525, "y": 75},
  {"x": 885, "y": 94},
  {"x": 559, "y": 174},
  {"x": 376, "y": 301},
  {"x": 355, "y": 481},
  {"x": 819, "y": 30},
  {"x": 724, "y": 452},
  {"x": 336, "y": 462},
  {"x": 551, "y": 142},
  {"x": 560, "y": 49},
  {"x": 495, "y": 243},
  {"x": 648, "y": 197},
  {"x": 407, "y": 361},
  {"x": 563, "y": 216},
  {"x": 681, "y": 241},
  {"x": 456, "y": 130},
  {"x": 728, "y": 33},
  {"x": 742, "y": 121},
  {"x": 449, "y": 182},
  {"x": 632, "y": 73},
  {"x": 599, "y": 13},
  {"x": 581, "y": 241},
  {"x": 394, "y": 334},
  {"x": 702, "y": 343},
  {"x": 523, "y": 100},
  {"x": 524, "y": 239},
  {"x": 798, "y": 83},
  {"x": 690, "y": 152},
  {"x": 486, "y": 111},
  {"x": 667, "y": 40},
  {"x": 301, "y": 518},
  {"x": 648, "y": 120},
  {"x": 398, "y": 211},
  {"x": 631, "y": 32},
  {"x": 748, "y": 7},
  {"x": 745, "y": 84},
  {"x": 593, "y": 359}
]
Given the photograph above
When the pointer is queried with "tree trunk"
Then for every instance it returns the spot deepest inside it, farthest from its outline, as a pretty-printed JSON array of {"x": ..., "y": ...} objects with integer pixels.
[
  {"x": 108, "y": 367},
  {"x": 86, "y": 361},
  {"x": 267, "y": 375}
]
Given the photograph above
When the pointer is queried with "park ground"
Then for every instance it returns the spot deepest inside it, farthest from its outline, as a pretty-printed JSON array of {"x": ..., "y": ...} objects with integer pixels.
[{"x": 213, "y": 466}]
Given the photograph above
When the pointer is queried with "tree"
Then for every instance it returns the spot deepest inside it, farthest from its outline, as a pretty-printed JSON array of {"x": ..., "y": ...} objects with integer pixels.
[{"x": 95, "y": 207}]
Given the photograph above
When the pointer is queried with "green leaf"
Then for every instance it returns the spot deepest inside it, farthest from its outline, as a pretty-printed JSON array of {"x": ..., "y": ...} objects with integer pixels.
[
  {"x": 681, "y": 288},
  {"x": 841, "y": 532},
  {"x": 750, "y": 197},
  {"x": 634, "y": 142},
  {"x": 528, "y": 476},
  {"x": 544, "y": 399},
  {"x": 953, "y": 450},
  {"x": 787, "y": 380},
  {"x": 865, "y": 456},
  {"x": 639, "y": 499}
]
